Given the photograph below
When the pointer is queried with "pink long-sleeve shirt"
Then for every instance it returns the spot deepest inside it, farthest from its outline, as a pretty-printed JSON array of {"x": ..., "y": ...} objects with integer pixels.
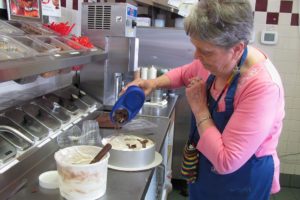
[{"x": 255, "y": 124}]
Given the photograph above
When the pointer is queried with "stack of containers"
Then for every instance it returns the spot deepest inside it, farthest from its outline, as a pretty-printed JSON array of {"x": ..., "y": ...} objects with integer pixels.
[
  {"x": 144, "y": 73},
  {"x": 152, "y": 73},
  {"x": 148, "y": 73}
]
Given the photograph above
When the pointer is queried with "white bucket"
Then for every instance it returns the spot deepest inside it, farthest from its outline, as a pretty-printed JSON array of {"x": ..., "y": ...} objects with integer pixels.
[{"x": 77, "y": 179}]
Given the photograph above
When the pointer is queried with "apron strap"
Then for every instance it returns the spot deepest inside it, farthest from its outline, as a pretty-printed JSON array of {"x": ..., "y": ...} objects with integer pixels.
[{"x": 229, "y": 98}]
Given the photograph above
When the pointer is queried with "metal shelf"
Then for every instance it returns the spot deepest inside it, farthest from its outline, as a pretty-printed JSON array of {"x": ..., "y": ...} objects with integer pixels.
[
  {"x": 162, "y": 4},
  {"x": 19, "y": 68},
  {"x": 165, "y": 6}
]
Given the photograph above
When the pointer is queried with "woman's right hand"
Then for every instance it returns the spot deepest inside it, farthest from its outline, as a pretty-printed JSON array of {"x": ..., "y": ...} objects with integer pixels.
[{"x": 147, "y": 85}]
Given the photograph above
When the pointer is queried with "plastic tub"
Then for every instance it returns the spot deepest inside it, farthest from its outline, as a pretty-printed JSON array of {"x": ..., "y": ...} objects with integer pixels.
[
  {"x": 60, "y": 46},
  {"x": 32, "y": 28},
  {"x": 77, "y": 179},
  {"x": 71, "y": 43},
  {"x": 3, "y": 56},
  {"x": 41, "y": 28},
  {"x": 37, "y": 45},
  {"x": 15, "y": 49},
  {"x": 75, "y": 40},
  {"x": 8, "y": 29}
]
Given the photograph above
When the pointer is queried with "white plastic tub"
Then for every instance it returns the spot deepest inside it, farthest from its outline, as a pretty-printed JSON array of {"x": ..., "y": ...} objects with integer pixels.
[{"x": 77, "y": 179}]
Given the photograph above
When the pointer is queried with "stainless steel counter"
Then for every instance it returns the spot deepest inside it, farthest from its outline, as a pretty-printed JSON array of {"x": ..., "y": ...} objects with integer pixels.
[
  {"x": 120, "y": 184},
  {"x": 160, "y": 111}
]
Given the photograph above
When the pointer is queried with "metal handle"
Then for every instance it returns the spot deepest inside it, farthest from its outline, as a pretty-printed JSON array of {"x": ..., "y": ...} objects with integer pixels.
[
  {"x": 56, "y": 107},
  {"x": 13, "y": 130},
  {"x": 117, "y": 84},
  {"x": 160, "y": 184}
]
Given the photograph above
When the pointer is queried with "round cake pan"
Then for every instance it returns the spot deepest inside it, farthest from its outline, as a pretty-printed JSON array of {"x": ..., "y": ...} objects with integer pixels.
[{"x": 132, "y": 158}]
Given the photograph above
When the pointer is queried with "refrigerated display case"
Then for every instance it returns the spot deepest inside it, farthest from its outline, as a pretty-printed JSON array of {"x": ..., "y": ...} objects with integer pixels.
[
  {"x": 27, "y": 55},
  {"x": 6, "y": 28},
  {"x": 15, "y": 49},
  {"x": 39, "y": 47},
  {"x": 27, "y": 127}
]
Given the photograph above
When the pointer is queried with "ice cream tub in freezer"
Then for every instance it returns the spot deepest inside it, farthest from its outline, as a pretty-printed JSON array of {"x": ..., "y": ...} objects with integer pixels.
[
  {"x": 7, "y": 29},
  {"x": 15, "y": 49},
  {"x": 50, "y": 40},
  {"x": 31, "y": 28},
  {"x": 37, "y": 45},
  {"x": 3, "y": 56},
  {"x": 74, "y": 45}
]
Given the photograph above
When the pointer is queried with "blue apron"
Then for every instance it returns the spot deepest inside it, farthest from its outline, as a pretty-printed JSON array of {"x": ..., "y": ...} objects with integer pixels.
[{"x": 253, "y": 181}]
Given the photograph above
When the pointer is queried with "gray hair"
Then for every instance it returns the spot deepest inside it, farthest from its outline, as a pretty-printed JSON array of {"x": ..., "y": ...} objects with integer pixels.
[{"x": 221, "y": 22}]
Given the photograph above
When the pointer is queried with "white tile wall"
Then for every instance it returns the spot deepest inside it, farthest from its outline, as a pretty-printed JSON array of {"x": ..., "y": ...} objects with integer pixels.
[
  {"x": 286, "y": 57},
  {"x": 295, "y": 6},
  {"x": 287, "y": 167},
  {"x": 284, "y": 19},
  {"x": 252, "y": 2},
  {"x": 282, "y": 146},
  {"x": 273, "y": 6},
  {"x": 260, "y": 17},
  {"x": 288, "y": 31}
]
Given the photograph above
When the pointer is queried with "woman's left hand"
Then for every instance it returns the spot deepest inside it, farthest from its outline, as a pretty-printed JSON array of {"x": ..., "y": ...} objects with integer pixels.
[{"x": 196, "y": 96}]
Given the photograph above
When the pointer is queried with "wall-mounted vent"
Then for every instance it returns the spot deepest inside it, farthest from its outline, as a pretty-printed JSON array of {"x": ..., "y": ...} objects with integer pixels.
[{"x": 99, "y": 17}]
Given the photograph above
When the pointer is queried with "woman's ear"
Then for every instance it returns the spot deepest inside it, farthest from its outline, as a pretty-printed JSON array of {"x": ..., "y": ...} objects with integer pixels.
[{"x": 238, "y": 50}]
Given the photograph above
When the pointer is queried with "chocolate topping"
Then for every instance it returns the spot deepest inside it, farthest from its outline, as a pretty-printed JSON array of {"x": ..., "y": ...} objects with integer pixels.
[
  {"x": 143, "y": 142},
  {"x": 133, "y": 146},
  {"x": 120, "y": 116}
]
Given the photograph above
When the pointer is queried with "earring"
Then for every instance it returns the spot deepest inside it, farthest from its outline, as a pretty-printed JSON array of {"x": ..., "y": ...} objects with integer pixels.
[{"x": 236, "y": 69}]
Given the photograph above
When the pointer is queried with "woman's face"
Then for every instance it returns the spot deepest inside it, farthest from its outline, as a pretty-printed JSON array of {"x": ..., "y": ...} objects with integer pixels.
[{"x": 217, "y": 60}]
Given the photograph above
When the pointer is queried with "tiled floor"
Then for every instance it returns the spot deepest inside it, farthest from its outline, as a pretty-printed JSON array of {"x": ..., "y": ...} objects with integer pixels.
[{"x": 284, "y": 194}]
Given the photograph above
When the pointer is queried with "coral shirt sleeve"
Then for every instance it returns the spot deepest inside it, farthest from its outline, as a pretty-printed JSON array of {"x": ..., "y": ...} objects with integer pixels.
[
  {"x": 180, "y": 76},
  {"x": 248, "y": 127}
]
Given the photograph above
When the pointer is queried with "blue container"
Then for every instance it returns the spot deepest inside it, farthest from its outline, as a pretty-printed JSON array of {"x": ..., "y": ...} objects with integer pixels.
[{"x": 129, "y": 104}]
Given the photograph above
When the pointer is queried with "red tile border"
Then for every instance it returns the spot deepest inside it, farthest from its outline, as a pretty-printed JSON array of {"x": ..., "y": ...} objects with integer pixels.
[
  {"x": 63, "y": 3},
  {"x": 261, "y": 5},
  {"x": 75, "y": 5},
  {"x": 286, "y": 6},
  {"x": 272, "y": 18},
  {"x": 295, "y": 19}
]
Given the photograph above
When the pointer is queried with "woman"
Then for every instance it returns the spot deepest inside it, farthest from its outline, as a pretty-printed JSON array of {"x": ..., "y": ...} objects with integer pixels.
[{"x": 237, "y": 100}]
